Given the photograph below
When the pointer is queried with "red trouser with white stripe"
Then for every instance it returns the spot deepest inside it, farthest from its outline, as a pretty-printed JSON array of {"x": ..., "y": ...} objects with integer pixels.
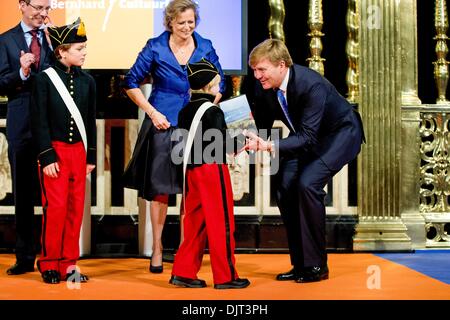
[
  {"x": 209, "y": 216},
  {"x": 63, "y": 206}
]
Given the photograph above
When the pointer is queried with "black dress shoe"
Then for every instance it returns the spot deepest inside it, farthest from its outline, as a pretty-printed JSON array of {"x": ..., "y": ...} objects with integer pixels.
[
  {"x": 20, "y": 268},
  {"x": 51, "y": 276},
  {"x": 234, "y": 284},
  {"x": 186, "y": 282},
  {"x": 290, "y": 275},
  {"x": 312, "y": 274},
  {"x": 74, "y": 276}
]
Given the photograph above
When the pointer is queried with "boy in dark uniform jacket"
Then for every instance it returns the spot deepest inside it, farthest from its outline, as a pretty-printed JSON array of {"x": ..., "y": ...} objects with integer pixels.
[
  {"x": 208, "y": 197},
  {"x": 64, "y": 158}
]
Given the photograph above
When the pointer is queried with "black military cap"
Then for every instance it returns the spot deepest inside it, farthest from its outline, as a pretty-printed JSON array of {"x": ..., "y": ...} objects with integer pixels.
[
  {"x": 72, "y": 33},
  {"x": 201, "y": 73}
]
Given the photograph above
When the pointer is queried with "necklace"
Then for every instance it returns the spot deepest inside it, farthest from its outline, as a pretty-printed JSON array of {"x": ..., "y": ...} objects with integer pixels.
[{"x": 180, "y": 50}]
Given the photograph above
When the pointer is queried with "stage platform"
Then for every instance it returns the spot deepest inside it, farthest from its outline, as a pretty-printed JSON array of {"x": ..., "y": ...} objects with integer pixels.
[{"x": 353, "y": 276}]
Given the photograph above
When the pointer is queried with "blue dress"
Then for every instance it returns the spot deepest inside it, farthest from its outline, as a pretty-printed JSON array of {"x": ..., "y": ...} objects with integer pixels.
[{"x": 151, "y": 170}]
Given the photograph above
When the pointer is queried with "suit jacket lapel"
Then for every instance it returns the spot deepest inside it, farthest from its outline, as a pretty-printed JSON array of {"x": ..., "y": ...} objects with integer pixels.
[
  {"x": 291, "y": 89},
  {"x": 19, "y": 38},
  {"x": 166, "y": 53},
  {"x": 199, "y": 51},
  {"x": 45, "y": 49}
]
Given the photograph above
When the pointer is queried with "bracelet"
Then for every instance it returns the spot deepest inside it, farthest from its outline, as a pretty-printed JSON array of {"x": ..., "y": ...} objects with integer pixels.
[{"x": 151, "y": 113}]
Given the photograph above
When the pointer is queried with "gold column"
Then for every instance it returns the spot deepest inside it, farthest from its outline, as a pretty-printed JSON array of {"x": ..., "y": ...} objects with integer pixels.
[
  {"x": 352, "y": 50},
  {"x": 276, "y": 19},
  {"x": 410, "y": 114},
  {"x": 236, "y": 82},
  {"x": 408, "y": 27},
  {"x": 380, "y": 226},
  {"x": 315, "y": 23},
  {"x": 441, "y": 65}
]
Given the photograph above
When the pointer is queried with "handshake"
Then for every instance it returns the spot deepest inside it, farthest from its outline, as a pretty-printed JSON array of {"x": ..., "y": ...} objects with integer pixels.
[{"x": 255, "y": 143}]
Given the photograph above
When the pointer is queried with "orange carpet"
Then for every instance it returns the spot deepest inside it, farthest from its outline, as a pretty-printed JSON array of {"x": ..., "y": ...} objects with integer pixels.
[{"x": 351, "y": 277}]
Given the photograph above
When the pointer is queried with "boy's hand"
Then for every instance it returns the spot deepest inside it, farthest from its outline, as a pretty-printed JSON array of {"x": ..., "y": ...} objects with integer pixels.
[
  {"x": 51, "y": 170},
  {"x": 89, "y": 168}
]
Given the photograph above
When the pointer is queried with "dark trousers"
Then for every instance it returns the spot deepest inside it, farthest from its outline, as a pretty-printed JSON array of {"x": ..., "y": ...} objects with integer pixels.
[
  {"x": 300, "y": 198},
  {"x": 25, "y": 185}
]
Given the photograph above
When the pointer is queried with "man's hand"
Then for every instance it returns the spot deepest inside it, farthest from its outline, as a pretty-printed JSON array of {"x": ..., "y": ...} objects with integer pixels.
[
  {"x": 255, "y": 143},
  {"x": 26, "y": 60}
]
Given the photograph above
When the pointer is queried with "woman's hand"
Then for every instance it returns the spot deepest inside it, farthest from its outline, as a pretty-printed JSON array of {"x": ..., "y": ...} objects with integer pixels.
[
  {"x": 51, "y": 170},
  {"x": 159, "y": 120},
  {"x": 89, "y": 168},
  {"x": 217, "y": 98}
]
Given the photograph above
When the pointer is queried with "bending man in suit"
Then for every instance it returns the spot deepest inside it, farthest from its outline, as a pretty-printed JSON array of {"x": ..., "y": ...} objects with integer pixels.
[
  {"x": 24, "y": 51},
  {"x": 325, "y": 134}
]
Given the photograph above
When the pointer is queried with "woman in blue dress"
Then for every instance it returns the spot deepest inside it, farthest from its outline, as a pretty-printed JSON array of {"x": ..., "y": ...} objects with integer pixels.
[{"x": 151, "y": 170}]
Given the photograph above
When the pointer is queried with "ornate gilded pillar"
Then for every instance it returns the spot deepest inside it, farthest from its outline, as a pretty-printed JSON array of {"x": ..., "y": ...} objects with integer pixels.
[
  {"x": 408, "y": 29},
  {"x": 315, "y": 23},
  {"x": 276, "y": 19},
  {"x": 435, "y": 144},
  {"x": 380, "y": 225},
  {"x": 352, "y": 50},
  {"x": 410, "y": 120},
  {"x": 441, "y": 65}
]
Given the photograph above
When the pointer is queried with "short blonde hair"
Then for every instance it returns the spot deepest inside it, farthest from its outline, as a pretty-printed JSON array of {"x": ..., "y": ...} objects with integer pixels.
[
  {"x": 175, "y": 7},
  {"x": 207, "y": 88},
  {"x": 272, "y": 49}
]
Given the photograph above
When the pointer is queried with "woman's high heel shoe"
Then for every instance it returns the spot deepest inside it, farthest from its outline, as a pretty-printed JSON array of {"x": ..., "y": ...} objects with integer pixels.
[{"x": 157, "y": 269}]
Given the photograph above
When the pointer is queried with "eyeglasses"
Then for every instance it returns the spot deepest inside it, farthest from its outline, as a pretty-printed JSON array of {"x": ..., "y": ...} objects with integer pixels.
[{"x": 40, "y": 8}]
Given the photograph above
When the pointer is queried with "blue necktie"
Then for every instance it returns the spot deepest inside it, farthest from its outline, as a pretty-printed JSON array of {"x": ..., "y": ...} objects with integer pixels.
[{"x": 284, "y": 107}]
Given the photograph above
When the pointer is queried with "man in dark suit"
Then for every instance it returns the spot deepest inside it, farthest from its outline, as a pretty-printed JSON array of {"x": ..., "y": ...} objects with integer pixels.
[
  {"x": 325, "y": 134},
  {"x": 24, "y": 51}
]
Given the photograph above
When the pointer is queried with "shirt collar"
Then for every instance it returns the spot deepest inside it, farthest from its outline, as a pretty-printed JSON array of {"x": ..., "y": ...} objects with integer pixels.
[
  {"x": 285, "y": 81},
  {"x": 26, "y": 28}
]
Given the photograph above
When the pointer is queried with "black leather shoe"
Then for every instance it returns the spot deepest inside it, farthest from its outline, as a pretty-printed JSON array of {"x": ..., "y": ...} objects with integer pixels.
[
  {"x": 20, "y": 268},
  {"x": 74, "y": 276},
  {"x": 290, "y": 275},
  {"x": 187, "y": 283},
  {"x": 235, "y": 284},
  {"x": 51, "y": 276},
  {"x": 312, "y": 274}
]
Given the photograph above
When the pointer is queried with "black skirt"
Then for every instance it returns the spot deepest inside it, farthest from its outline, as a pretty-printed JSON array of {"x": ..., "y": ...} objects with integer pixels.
[{"x": 151, "y": 170}]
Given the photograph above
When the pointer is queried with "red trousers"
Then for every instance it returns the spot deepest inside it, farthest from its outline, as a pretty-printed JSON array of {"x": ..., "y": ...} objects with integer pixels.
[
  {"x": 209, "y": 216},
  {"x": 63, "y": 205}
]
